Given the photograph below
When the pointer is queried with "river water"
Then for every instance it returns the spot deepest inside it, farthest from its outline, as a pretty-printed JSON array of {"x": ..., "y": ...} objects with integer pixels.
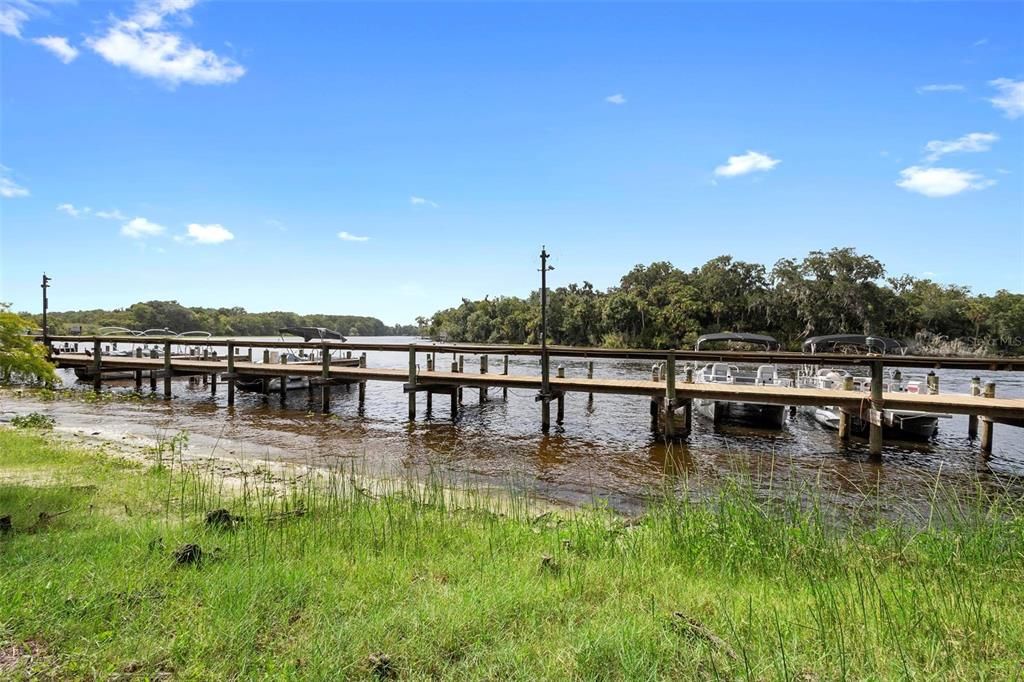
[{"x": 604, "y": 450}]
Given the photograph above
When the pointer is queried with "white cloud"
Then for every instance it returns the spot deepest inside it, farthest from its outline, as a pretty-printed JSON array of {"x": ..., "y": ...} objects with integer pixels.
[
  {"x": 111, "y": 215},
  {"x": 348, "y": 237},
  {"x": 941, "y": 87},
  {"x": 59, "y": 46},
  {"x": 140, "y": 45},
  {"x": 941, "y": 182},
  {"x": 617, "y": 98},
  {"x": 73, "y": 211},
  {"x": 979, "y": 43},
  {"x": 14, "y": 13},
  {"x": 137, "y": 228},
  {"x": 747, "y": 163},
  {"x": 971, "y": 142},
  {"x": 1010, "y": 98},
  {"x": 208, "y": 234},
  {"x": 420, "y": 201},
  {"x": 9, "y": 189}
]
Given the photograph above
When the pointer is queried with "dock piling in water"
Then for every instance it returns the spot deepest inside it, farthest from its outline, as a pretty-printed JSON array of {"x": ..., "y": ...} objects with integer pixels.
[{"x": 986, "y": 422}]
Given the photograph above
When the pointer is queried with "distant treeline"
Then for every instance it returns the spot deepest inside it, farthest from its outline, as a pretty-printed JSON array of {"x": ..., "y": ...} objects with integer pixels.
[
  {"x": 218, "y": 321},
  {"x": 661, "y": 306}
]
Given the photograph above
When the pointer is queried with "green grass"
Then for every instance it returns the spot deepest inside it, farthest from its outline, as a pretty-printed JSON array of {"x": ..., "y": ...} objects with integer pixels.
[{"x": 325, "y": 580}]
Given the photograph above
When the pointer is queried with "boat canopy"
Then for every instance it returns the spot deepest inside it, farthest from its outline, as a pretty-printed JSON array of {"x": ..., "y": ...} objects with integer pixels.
[
  {"x": 769, "y": 342},
  {"x": 117, "y": 331},
  {"x": 159, "y": 332},
  {"x": 198, "y": 334},
  {"x": 874, "y": 344},
  {"x": 311, "y": 333}
]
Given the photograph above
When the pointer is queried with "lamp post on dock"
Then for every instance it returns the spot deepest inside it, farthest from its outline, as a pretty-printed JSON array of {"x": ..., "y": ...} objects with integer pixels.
[
  {"x": 46, "y": 303},
  {"x": 545, "y": 383}
]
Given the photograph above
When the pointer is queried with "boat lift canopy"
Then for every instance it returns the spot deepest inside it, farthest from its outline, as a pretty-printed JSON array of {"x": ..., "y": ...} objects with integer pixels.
[
  {"x": 873, "y": 344},
  {"x": 311, "y": 333},
  {"x": 769, "y": 342}
]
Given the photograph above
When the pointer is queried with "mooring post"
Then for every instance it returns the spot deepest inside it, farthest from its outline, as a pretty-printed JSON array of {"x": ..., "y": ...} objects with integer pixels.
[
  {"x": 669, "y": 408},
  {"x": 504, "y": 371},
  {"x": 560, "y": 413},
  {"x": 325, "y": 378},
  {"x": 933, "y": 383},
  {"x": 138, "y": 372},
  {"x": 412, "y": 383},
  {"x": 986, "y": 422},
  {"x": 231, "y": 373},
  {"x": 844, "y": 415},
  {"x": 972, "y": 419},
  {"x": 167, "y": 369},
  {"x": 590, "y": 375},
  {"x": 362, "y": 384},
  {"x": 483, "y": 370},
  {"x": 876, "y": 417},
  {"x": 266, "y": 356},
  {"x": 97, "y": 374},
  {"x": 430, "y": 362},
  {"x": 545, "y": 394},
  {"x": 206, "y": 356},
  {"x": 152, "y": 372},
  {"x": 455, "y": 392}
]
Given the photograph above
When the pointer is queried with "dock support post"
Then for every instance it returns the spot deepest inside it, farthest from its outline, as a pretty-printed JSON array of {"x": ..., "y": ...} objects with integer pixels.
[
  {"x": 462, "y": 368},
  {"x": 844, "y": 416},
  {"x": 97, "y": 376},
  {"x": 213, "y": 383},
  {"x": 412, "y": 383},
  {"x": 325, "y": 375},
  {"x": 430, "y": 402},
  {"x": 206, "y": 356},
  {"x": 167, "y": 369},
  {"x": 138, "y": 372},
  {"x": 455, "y": 393},
  {"x": 152, "y": 372},
  {"x": 986, "y": 423},
  {"x": 483, "y": 370},
  {"x": 504, "y": 371},
  {"x": 284, "y": 379},
  {"x": 669, "y": 407},
  {"x": 560, "y": 405},
  {"x": 972, "y": 420},
  {"x": 266, "y": 356},
  {"x": 590, "y": 375},
  {"x": 875, "y": 434},
  {"x": 362, "y": 384},
  {"x": 231, "y": 374}
]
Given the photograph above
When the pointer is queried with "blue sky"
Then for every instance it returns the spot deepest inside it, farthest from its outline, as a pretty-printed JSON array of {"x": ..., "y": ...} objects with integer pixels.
[{"x": 212, "y": 152}]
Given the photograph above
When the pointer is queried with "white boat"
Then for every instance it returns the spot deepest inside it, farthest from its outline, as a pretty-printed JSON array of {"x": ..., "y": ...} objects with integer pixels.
[
  {"x": 907, "y": 423},
  {"x": 760, "y": 414},
  {"x": 273, "y": 384}
]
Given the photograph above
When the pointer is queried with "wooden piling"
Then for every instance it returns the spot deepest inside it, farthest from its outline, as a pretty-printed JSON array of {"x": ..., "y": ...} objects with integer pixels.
[
  {"x": 483, "y": 370},
  {"x": 590, "y": 375},
  {"x": 844, "y": 416},
  {"x": 876, "y": 417},
  {"x": 97, "y": 377},
  {"x": 986, "y": 422},
  {"x": 362, "y": 384},
  {"x": 325, "y": 377},
  {"x": 231, "y": 374},
  {"x": 412, "y": 383},
  {"x": 152, "y": 372},
  {"x": 462, "y": 368},
  {"x": 669, "y": 407},
  {"x": 972, "y": 420},
  {"x": 167, "y": 369},
  {"x": 213, "y": 383},
  {"x": 545, "y": 396},
  {"x": 560, "y": 412},
  {"x": 206, "y": 356},
  {"x": 504, "y": 371},
  {"x": 455, "y": 392},
  {"x": 138, "y": 372}
]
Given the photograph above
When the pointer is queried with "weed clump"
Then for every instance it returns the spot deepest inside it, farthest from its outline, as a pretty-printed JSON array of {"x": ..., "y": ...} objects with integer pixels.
[{"x": 33, "y": 420}]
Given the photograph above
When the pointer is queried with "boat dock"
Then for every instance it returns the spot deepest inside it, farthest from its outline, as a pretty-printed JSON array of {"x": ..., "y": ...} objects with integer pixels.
[{"x": 670, "y": 393}]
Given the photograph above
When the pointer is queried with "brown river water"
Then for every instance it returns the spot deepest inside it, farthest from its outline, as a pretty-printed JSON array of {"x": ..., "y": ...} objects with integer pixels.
[{"x": 604, "y": 451}]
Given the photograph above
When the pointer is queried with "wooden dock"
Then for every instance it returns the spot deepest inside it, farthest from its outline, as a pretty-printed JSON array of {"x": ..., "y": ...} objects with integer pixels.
[{"x": 670, "y": 395}]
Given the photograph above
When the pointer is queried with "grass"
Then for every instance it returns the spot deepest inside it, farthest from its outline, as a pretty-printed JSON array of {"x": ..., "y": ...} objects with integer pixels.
[{"x": 314, "y": 576}]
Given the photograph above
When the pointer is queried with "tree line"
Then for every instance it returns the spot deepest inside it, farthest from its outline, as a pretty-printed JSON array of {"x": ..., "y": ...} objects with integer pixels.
[
  {"x": 218, "y": 321},
  {"x": 833, "y": 292}
]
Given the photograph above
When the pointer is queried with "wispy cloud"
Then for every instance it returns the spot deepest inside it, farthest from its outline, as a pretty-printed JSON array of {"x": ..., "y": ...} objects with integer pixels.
[
  {"x": 73, "y": 211},
  {"x": 420, "y": 201},
  {"x": 617, "y": 98},
  {"x": 349, "y": 237},
  {"x": 143, "y": 45},
  {"x": 1010, "y": 98},
  {"x": 14, "y": 14},
  {"x": 111, "y": 215},
  {"x": 139, "y": 228},
  {"x": 941, "y": 182},
  {"x": 59, "y": 46},
  {"x": 971, "y": 142},
  {"x": 979, "y": 43},
  {"x": 750, "y": 162},
  {"x": 940, "y": 87},
  {"x": 208, "y": 234},
  {"x": 9, "y": 189}
]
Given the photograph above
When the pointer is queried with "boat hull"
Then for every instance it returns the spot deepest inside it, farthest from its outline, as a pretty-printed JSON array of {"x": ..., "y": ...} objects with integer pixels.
[{"x": 754, "y": 414}]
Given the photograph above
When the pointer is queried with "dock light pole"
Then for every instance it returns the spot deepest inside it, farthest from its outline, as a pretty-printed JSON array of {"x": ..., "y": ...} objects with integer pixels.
[
  {"x": 545, "y": 366},
  {"x": 46, "y": 304}
]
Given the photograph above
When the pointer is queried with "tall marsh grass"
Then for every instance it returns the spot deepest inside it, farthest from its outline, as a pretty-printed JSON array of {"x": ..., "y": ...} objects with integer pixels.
[{"x": 329, "y": 574}]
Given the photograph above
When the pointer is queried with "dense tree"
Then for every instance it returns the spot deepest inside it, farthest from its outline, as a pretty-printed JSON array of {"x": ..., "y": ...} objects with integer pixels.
[
  {"x": 21, "y": 359},
  {"x": 826, "y": 292}
]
